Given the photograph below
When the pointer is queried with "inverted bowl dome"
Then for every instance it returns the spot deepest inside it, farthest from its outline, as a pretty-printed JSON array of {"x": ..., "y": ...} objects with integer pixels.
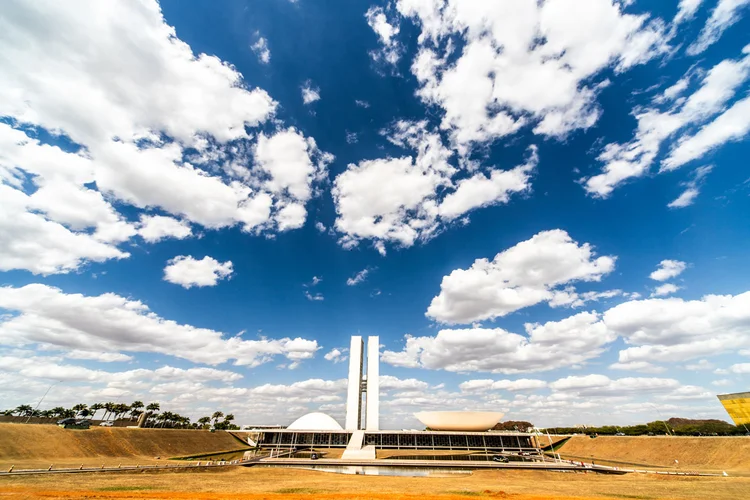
[
  {"x": 315, "y": 421},
  {"x": 471, "y": 421}
]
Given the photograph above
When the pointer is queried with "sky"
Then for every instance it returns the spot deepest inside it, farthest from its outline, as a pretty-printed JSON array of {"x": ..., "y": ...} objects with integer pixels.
[{"x": 540, "y": 207}]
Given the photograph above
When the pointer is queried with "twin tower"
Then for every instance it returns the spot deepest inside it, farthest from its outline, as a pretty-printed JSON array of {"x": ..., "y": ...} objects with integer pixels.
[{"x": 363, "y": 380}]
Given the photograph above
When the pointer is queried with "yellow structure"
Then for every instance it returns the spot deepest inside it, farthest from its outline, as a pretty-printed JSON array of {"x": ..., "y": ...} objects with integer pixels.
[{"x": 738, "y": 406}]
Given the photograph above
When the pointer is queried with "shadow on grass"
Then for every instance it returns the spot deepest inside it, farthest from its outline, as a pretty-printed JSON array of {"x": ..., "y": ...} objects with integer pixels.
[
  {"x": 126, "y": 488},
  {"x": 298, "y": 490}
]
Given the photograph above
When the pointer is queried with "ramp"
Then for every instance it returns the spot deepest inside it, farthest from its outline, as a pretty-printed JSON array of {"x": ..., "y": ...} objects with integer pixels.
[{"x": 355, "y": 451}]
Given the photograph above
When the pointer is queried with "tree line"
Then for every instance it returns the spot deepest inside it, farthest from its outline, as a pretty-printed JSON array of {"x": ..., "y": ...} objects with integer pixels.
[
  {"x": 132, "y": 412},
  {"x": 673, "y": 427}
]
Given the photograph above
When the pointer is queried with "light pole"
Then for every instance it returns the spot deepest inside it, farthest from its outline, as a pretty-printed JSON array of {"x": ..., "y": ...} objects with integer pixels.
[
  {"x": 42, "y": 399},
  {"x": 669, "y": 431}
]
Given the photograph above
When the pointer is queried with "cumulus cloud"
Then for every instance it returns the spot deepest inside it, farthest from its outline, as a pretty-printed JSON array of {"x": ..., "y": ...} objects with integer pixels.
[
  {"x": 623, "y": 161},
  {"x": 674, "y": 329},
  {"x": 523, "y": 275},
  {"x": 390, "y": 50},
  {"x": 547, "y": 346},
  {"x": 46, "y": 316},
  {"x": 418, "y": 195},
  {"x": 724, "y": 15},
  {"x": 668, "y": 269},
  {"x": 665, "y": 289},
  {"x": 523, "y": 62},
  {"x": 166, "y": 131},
  {"x": 153, "y": 228},
  {"x": 186, "y": 271},
  {"x": 336, "y": 355}
]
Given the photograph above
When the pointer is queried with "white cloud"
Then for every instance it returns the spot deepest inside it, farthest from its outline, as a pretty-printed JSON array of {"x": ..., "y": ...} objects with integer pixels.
[
  {"x": 320, "y": 227},
  {"x": 310, "y": 94},
  {"x": 336, "y": 355},
  {"x": 103, "y": 357},
  {"x": 685, "y": 199},
  {"x": 315, "y": 298},
  {"x": 601, "y": 385},
  {"x": 153, "y": 228},
  {"x": 552, "y": 345},
  {"x": 673, "y": 329},
  {"x": 686, "y": 10},
  {"x": 522, "y": 384},
  {"x": 260, "y": 47},
  {"x": 418, "y": 195},
  {"x": 359, "y": 277},
  {"x": 362, "y": 104},
  {"x": 523, "y": 62},
  {"x": 568, "y": 297},
  {"x": 390, "y": 51},
  {"x": 292, "y": 162},
  {"x": 518, "y": 277},
  {"x": 134, "y": 118},
  {"x": 111, "y": 323},
  {"x": 732, "y": 125},
  {"x": 665, "y": 289},
  {"x": 623, "y": 161},
  {"x": 724, "y": 15},
  {"x": 186, "y": 271},
  {"x": 668, "y": 269},
  {"x": 29, "y": 241},
  {"x": 740, "y": 368},
  {"x": 701, "y": 364}
]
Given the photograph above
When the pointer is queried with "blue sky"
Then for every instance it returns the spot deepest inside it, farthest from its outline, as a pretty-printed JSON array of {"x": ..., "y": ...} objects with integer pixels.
[{"x": 540, "y": 208}]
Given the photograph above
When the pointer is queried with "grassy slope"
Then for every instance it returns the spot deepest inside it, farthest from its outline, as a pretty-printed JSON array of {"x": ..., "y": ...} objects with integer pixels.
[
  {"x": 731, "y": 453},
  {"x": 47, "y": 442}
]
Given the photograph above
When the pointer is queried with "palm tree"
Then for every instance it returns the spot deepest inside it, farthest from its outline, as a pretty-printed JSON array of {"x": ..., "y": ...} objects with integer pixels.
[
  {"x": 151, "y": 408},
  {"x": 24, "y": 410},
  {"x": 216, "y": 416},
  {"x": 135, "y": 409},
  {"x": 229, "y": 417},
  {"x": 108, "y": 408},
  {"x": 204, "y": 421},
  {"x": 58, "y": 411},
  {"x": 79, "y": 408}
]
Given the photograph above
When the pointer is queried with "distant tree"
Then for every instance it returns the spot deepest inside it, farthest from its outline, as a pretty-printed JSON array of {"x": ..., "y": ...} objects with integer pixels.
[
  {"x": 24, "y": 410},
  {"x": 216, "y": 416},
  {"x": 58, "y": 411},
  {"x": 79, "y": 408},
  {"x": 135, "y": 409},
  {"x": 204, "y": 421},
  {"x": 513, "y": 425}
]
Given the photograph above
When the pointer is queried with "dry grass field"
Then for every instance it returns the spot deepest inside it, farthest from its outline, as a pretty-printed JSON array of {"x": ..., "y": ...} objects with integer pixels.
[
  {"x": 264, "y": 483},
  {"x": 692, "y": 453},
  {"x": 29, "y": 446}
]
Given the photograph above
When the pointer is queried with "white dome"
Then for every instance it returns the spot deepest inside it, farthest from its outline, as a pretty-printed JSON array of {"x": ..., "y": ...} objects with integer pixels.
[{"x": 315, "y": 421}]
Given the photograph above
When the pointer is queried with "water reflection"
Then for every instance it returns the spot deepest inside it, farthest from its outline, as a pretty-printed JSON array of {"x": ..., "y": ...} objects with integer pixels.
[{"x": 380, "y": 470}]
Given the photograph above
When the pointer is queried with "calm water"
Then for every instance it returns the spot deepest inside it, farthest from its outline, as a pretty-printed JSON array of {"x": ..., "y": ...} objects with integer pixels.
[
  {"x": 472, "y": 458},
  {"x": 381, "y": 470}
]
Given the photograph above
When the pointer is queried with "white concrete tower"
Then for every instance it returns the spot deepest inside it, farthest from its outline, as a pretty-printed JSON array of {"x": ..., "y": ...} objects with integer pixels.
[
  {"x": 373, "y": 384},
  {"x": 360, "y": 382},
  {"x": 354, "y": 390}
]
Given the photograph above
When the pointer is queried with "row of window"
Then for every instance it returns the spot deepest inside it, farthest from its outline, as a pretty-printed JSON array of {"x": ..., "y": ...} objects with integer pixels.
[{"x": 384, "y": 440}]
